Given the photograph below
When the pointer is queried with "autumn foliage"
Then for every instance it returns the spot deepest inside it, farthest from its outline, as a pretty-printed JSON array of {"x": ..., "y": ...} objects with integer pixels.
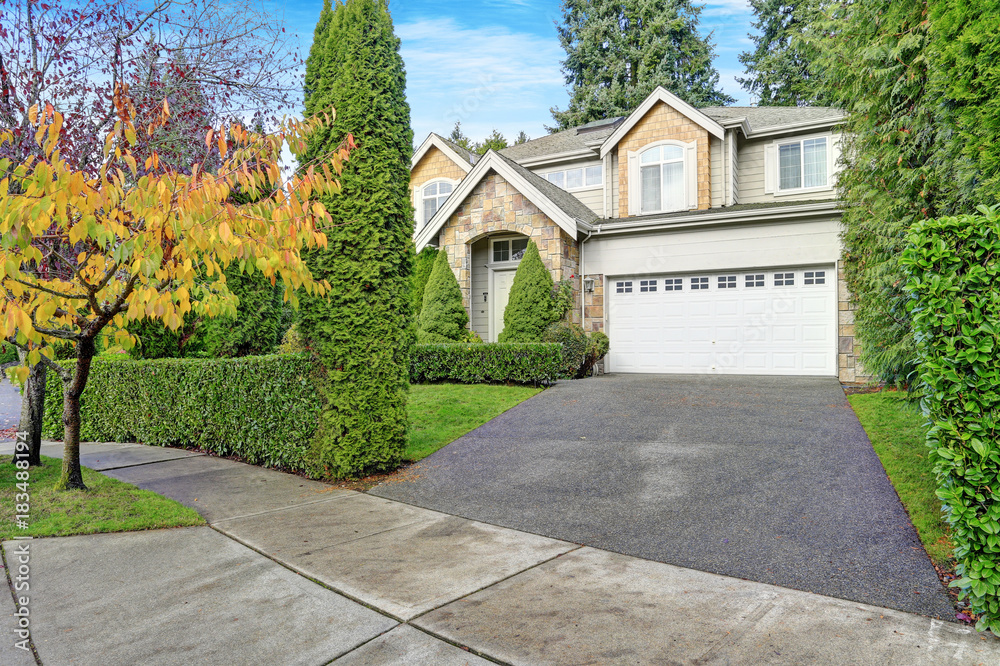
[{"x": 83, "y": 255}]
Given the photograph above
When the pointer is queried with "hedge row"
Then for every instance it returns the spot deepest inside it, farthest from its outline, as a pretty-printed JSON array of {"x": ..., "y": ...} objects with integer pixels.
[
  {"x": 535, "y": 363},
  {"x": 953, "y": 266},
  {"x": 263, "y": 409}
]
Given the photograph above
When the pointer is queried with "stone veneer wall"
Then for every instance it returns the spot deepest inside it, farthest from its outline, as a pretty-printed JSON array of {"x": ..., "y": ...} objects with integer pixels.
[
  {"x": 850, "y": 369},
  {"x": 659, "y": 124},
  {"x": 494, "y": 207},
  {"x": 594, "y": 305}
]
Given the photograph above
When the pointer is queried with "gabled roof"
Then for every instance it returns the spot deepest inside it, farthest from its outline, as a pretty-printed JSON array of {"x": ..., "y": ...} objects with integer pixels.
[
  {"x": 455, "y": 153},
  {"x": 562, "y": 207},
  {"x": 675, "y": 103}
]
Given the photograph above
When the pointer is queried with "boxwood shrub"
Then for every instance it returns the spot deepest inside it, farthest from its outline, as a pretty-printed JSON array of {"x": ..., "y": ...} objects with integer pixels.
[
  {"x": 263, "y": 409},
  {"x": 485, "y": 363},
  {"x": 953, "y": 272}
]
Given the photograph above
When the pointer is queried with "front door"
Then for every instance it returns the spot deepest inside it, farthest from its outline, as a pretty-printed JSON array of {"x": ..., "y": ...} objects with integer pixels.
[{"x": 501, "y": 293}]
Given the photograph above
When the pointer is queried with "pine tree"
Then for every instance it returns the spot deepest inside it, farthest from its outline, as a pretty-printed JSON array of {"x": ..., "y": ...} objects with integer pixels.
[
  {"x": 361, "y": 331},
  {"x": 779, "y": 69},
  {"x": 495, "y": 141},
  {"x": 522, "y": 137},
  {"x": 458, "y": 137},
  {"x": 422, "y": 268},
  {"x": 442, "y": 316},
  {"x": 617, "y": 53},
  {"x": 530, "y": 307}
]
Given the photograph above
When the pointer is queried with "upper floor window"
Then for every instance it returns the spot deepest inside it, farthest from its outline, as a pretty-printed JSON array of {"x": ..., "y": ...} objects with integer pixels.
[
  {"x": 661, "y": 179},
  {"x": 803, "y": 164},
  {"x": 434, "y": 195},
  {"x": 576, "y": 179}
]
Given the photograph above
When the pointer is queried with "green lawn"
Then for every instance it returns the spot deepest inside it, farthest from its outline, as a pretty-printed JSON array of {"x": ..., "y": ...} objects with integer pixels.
[
  {"x": 896, "y": 429},
  {"x": 108, "y": 505},
  {"x": 441, "y": 413}
]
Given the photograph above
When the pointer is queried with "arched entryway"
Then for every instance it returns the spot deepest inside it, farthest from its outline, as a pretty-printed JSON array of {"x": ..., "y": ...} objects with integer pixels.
[{"x": 494, "y": 261}]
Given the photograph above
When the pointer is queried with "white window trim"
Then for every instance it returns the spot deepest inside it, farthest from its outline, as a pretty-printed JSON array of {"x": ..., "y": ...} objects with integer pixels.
[
  {"x": 772, "y": 179},
  {"x": 418, "y": 198},
  {"x": 584, "y": 167},
  {"x": 690, "y": 177},
  {"x": 503, "y": 265}
]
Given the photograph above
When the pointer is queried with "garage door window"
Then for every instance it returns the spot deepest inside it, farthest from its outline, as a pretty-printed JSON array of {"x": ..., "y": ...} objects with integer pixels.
[
  {"x": 699, "y": 283},
  {"x": 755, "y": 280},
  {"x": 727, "y": 282},
  {"x": 647, "y": 285},
  {"x": 673, "y": 284},
  {"x": 624, "y": 287},
  {"x": 784, "y": 279},
  {"x": 815, "y": 277}
]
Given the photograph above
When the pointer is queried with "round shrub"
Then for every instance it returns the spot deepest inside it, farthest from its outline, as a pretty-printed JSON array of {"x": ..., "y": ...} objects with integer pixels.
[
  {"x": 442, "y": 317},
  {"x": 580, "y": 351}
]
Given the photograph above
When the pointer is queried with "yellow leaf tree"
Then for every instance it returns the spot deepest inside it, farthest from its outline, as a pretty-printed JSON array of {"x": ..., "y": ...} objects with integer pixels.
[{"x": 83, "y": 256}]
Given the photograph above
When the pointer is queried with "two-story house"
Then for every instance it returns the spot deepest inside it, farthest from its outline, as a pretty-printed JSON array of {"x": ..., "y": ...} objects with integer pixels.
[{"x": 701, "y": 240}]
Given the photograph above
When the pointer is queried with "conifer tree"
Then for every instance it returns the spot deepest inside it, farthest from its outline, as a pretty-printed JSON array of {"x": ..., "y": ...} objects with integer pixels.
[
  {"x": 617, "y": 53},
  {"x": 361, "y": 331},
  {"x": 422, "y": 268},
  {"x": 779, "y": 69},
  {"x": 530, "y": 307},
  {"x": 442, "y": 316}
]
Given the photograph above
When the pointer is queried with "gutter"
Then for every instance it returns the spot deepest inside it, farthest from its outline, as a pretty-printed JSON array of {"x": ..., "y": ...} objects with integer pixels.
[{"x": 722, "y": 217}]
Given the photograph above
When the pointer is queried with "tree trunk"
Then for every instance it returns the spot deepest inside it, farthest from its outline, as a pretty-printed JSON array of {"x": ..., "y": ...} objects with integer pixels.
[
  {"x": 72, "y": 476},
  {"x": 32, "y": 409}
]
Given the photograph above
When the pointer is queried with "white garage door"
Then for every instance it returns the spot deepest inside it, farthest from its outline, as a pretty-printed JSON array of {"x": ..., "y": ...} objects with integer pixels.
[{"x": 757, "y": 322}]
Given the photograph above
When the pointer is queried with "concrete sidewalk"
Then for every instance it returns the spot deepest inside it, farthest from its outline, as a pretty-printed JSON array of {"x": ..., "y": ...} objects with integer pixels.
[{"x": 296, "y": 571}]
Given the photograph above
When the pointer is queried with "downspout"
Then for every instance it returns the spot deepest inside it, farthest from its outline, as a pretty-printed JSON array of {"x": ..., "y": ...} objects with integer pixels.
[{"x": 583, "y": 274}]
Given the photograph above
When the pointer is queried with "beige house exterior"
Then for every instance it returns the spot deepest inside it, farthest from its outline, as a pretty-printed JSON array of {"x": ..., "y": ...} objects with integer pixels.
[{"x": 702, "y": 240}]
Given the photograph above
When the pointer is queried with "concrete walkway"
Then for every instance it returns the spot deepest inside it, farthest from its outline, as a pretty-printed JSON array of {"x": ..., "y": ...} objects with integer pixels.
[{"x": 294, "y": 571}]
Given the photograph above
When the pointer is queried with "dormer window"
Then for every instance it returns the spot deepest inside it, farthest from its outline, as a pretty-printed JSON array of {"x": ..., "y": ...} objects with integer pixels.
[
  {"x": 663, "y": 178},
  {"x": 802, "y": 164},
  {"x": 434, "y": 195}
]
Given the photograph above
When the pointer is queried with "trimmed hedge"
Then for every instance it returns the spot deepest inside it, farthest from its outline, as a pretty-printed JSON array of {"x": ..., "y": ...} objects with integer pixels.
[
  {"x": 486, "y": 363},
  {"x": 953, "y": 265},
  {"x": 263, "y": 409}
]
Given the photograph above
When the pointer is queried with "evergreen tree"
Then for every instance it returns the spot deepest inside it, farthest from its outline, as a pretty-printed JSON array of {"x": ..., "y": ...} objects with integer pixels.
[
  {"x": 522, "y": 137},
  {"x": 361, "y": 330},
  {"x": 874, "y": 59},
  {"x": 257, "y": 327},
  {"x": 458, "y": 137},
  {"x": 779, "y": 71},
  {"x": 442, "y": 316},
  {"x": 530, "y": 307},
  {"x": 495, "y": 141},
  {"x": 617, "y": 53},
  {"x": 422, "y": 268},
  {"x": 965, "y": 77}
]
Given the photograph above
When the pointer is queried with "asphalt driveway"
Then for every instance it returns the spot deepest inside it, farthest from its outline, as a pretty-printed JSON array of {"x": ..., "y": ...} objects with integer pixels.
[{"x": 767, "y": 479}]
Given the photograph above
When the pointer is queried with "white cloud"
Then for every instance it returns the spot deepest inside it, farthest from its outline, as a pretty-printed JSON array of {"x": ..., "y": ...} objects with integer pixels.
[{"x": 485, "y": 77}]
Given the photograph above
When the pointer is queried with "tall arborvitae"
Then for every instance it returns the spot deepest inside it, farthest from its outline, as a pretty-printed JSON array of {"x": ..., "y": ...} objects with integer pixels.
[
  {"x": 874, "y": 59},
  {"x": 779, "y": 71},
  {"x": 361, "y": 331},
  {"x": 617, "y": 53},
  {"x": 530, "y": 307}
]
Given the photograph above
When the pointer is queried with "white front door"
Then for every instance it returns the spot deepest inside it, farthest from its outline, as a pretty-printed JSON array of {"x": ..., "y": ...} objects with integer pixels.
[
  {"x": 502, "y": 280},
  {"x": 779, "y": 321}
]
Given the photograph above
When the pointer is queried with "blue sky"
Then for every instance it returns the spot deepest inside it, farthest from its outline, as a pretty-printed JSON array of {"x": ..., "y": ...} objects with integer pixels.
[{"x": 496, "y": 63}]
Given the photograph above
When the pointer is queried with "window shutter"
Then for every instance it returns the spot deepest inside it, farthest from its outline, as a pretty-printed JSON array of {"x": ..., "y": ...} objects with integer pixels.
[
  {"x": 770, "y": 168},
  {"x": 418, "y": 210},
  {"x": 691, "y": 173},
  {"x": 634, "y": 184}
]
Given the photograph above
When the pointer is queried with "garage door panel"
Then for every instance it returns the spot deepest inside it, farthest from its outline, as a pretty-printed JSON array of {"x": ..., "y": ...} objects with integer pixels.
[{"x": 776, "y": 325}]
